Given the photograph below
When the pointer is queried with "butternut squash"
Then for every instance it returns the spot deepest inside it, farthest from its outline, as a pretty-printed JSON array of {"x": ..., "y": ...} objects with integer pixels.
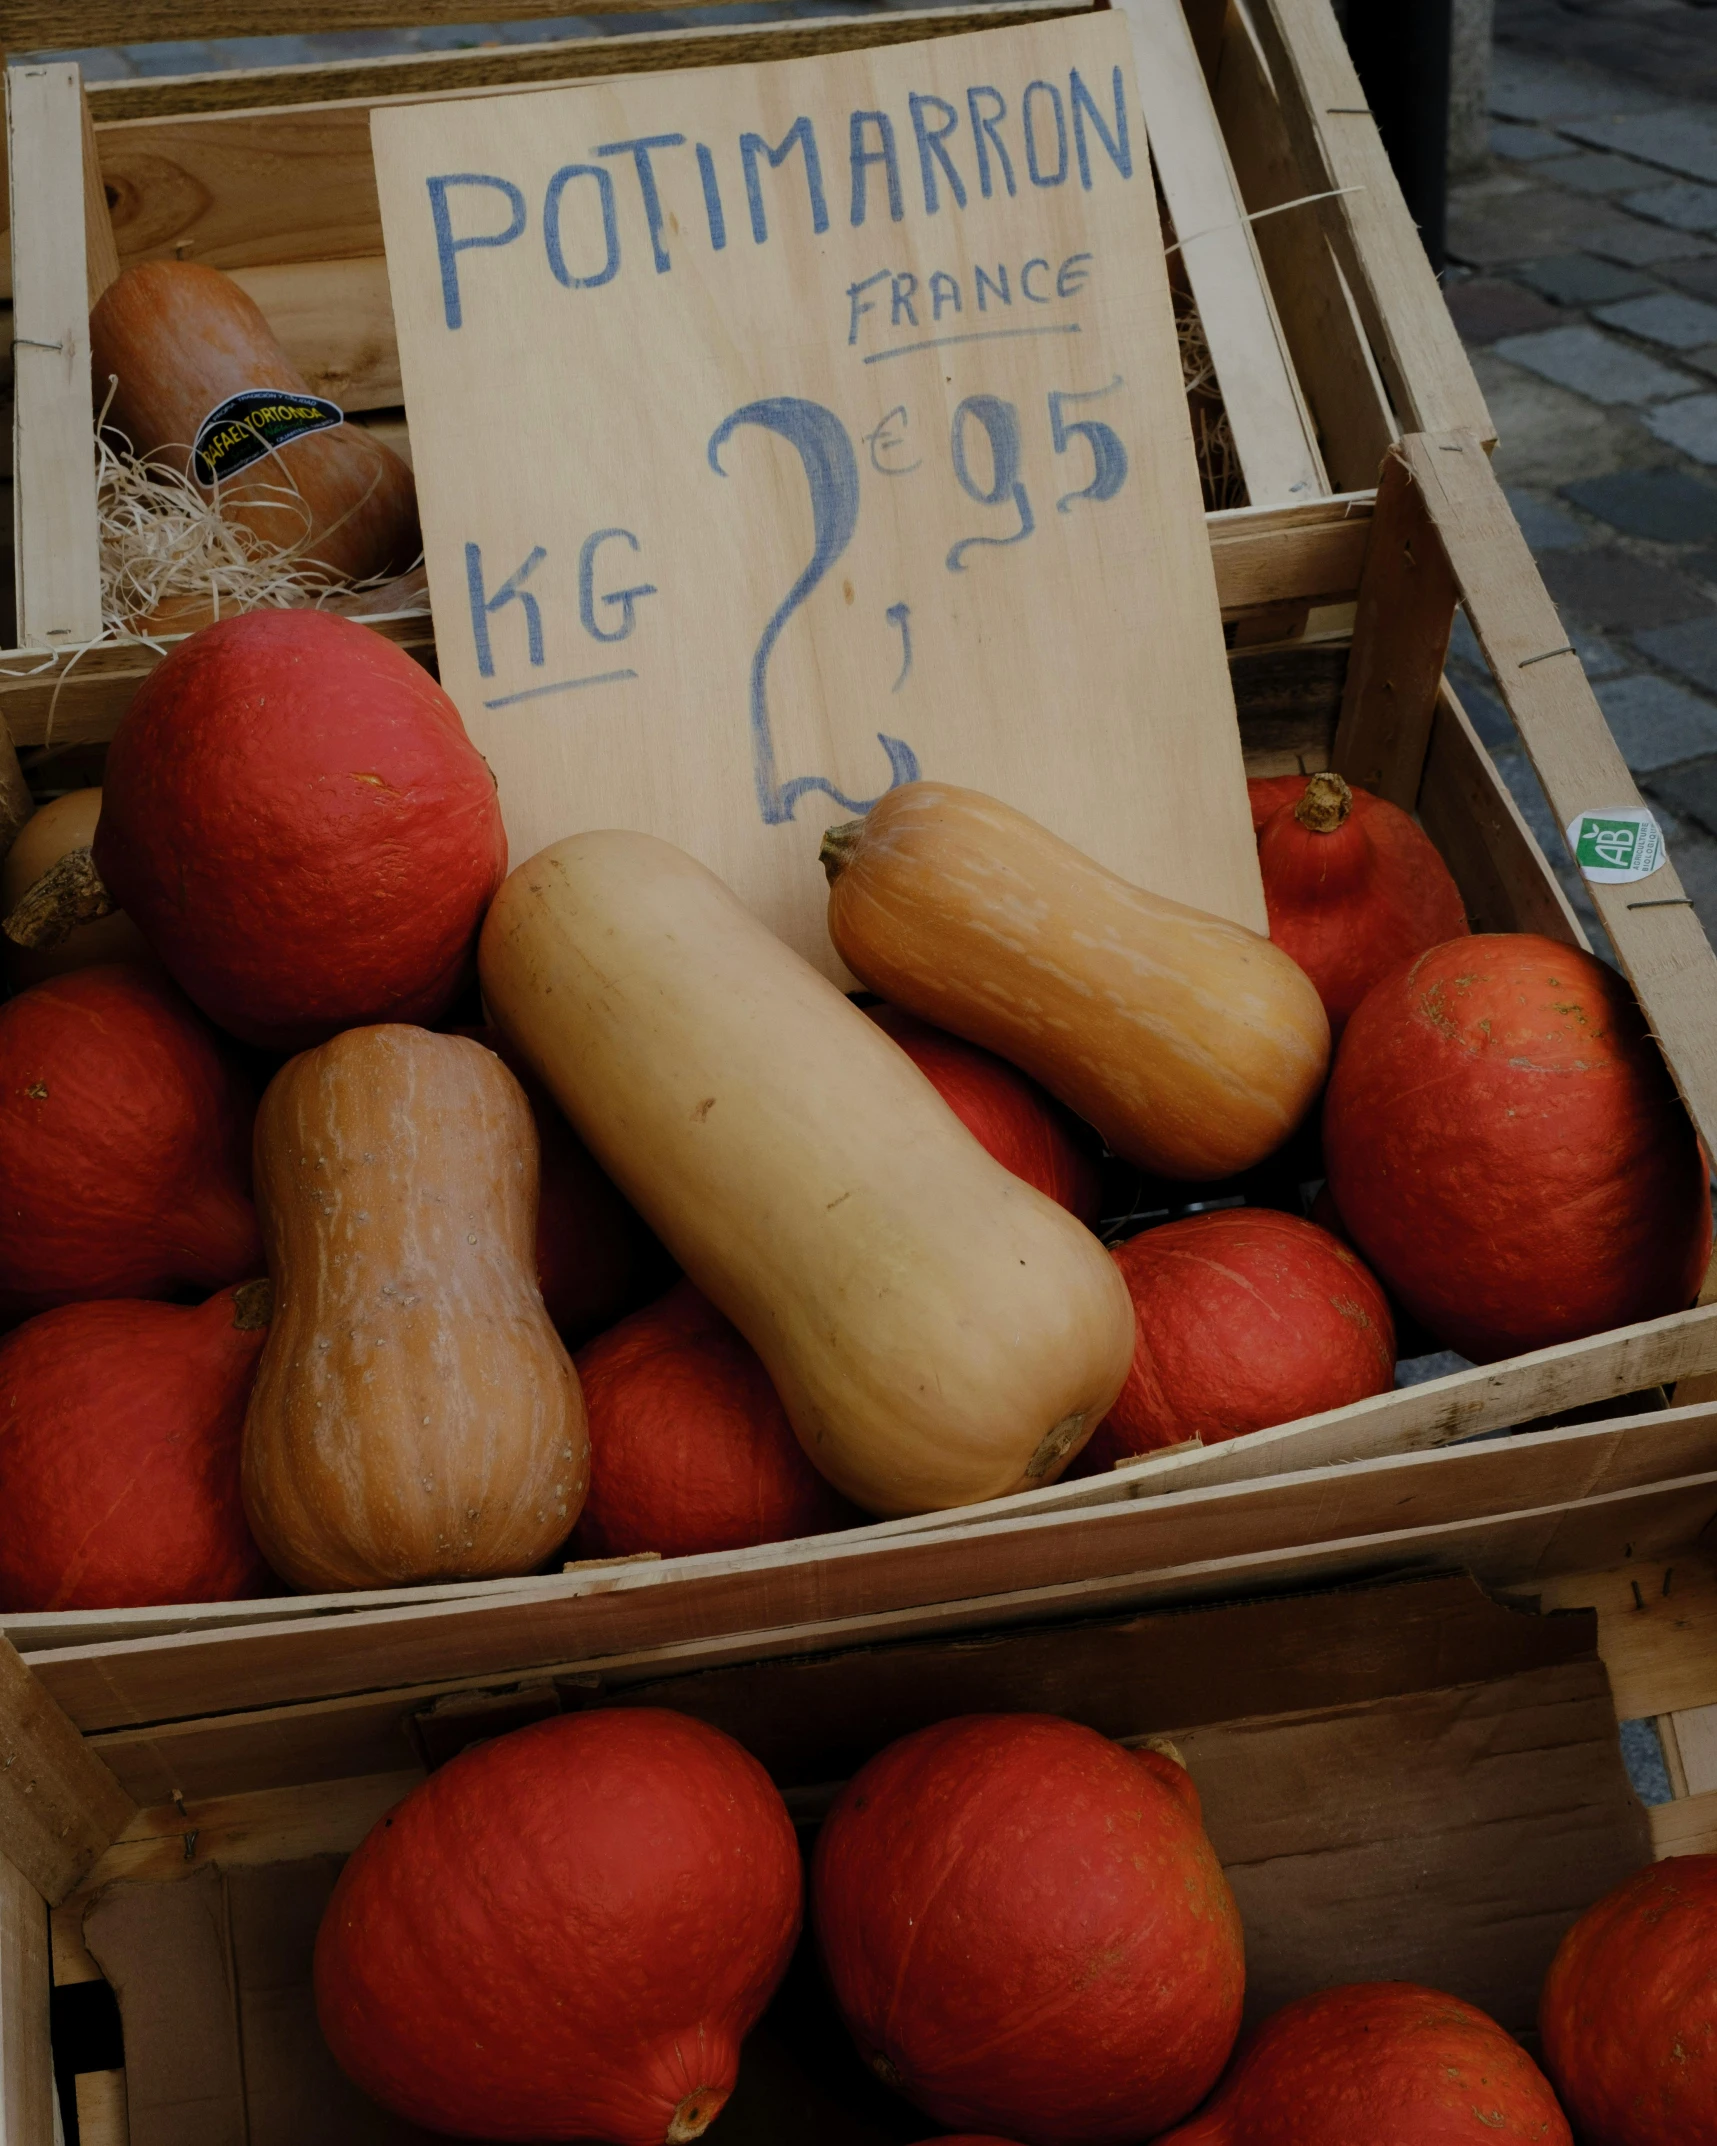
[
  {"x": 938, "y": 1331},
  {"x": 415, "y": 1416},
  {"x": 1193, "y": 1045}
]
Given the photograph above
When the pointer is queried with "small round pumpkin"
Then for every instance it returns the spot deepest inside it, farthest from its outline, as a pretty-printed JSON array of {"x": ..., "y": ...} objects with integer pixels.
[
  {"x": 1245, "y": 1318},
  {"x": 55, "y": 830},
  {"x": 1021, "y": 1125},
  {"x": 297, "y": 823},
  {"x": 1628, "y": 2013},
  {"x": 1353, "y": 886},
  {"x": 565, "y": 1933},
  {"x": 124, "y": 1145},
  {"x": 1026, "y": 1928},
  {"x": 119, "y": 1454},
  {"x": 1508, "y": 1152},
  {"x": 690, "y": 1448},
  {"x": 1380, "y": 2064}
]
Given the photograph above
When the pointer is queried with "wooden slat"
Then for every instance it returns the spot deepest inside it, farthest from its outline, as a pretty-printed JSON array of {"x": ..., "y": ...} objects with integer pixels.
[
  {"x": 1685, "y": 1828},
  {"x": 1469, "y": 813},
  {"x": 1657, "y": 1629},
  {"x": 28, "y": 2113},
  {"x": 101, "y": 252},
  {"x": 1260, "y": 396},
  {"x": 1336, "y": 141},
  {"x": 1662, "y": 949},
  {"x": 1012, "y": 1567},
  {"x": 58, "y": 577},
  {"x": 1325, "y": 338},
  {"x": 31, "y": 24},
  {"x": 59, "y": 1805},
  {"x": 334, "y": 320},
  {"x": 1400, "y": 644},
  {"x": 1311, "y": 554},
  {"x": 101, "y": 2109}
]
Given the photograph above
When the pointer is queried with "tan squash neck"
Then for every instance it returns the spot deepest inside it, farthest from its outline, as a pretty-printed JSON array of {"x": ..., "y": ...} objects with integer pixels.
[{"x": 1325, "y": 805}]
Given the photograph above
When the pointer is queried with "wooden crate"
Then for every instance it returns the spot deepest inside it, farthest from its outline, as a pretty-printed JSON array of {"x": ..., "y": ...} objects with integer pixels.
[
  {"x": 1414, "y": 1780},
  {"x": 1339, "y": 607}
]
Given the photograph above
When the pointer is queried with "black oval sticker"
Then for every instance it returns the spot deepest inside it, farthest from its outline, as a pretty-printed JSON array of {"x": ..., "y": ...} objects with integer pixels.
[{"x": 251, "y": 424}]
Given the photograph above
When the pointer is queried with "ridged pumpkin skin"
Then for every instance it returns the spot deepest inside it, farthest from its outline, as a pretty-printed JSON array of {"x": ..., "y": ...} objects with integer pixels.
[
  {"x": 415, "y": 1416},
  {"x": 1628, "y": 2013},
  {"x": 1380, "y": 2064},
  {"x": 564, "y": 1933},
  {"x": 596, "y": 1259},
  {"x": 1353, "y": 888},
  {"x": 1267, "y": 794},
  {"x": 938, "y": 1331},
  {"x": 119, "y": 1454},
  {"x": 62, "y": 824},
  {"x": 1191, "y": 1044},
  {"x": 1508, "y": 1152},
  {"x": 181, "y": 339},
  {"x": 1025, "y": 1928},
  {"x": 124, "y": 1136},
  {"x": 690, "y": 1448},
  {"x": 1245, "y": 1318},
  {"x": 296, "y": 821},
  {"x": 1011, "y": 1118}
]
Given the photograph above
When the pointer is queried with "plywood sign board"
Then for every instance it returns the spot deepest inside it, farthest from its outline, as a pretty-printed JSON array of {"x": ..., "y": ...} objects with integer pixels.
[{"x": 785, "y": 431}]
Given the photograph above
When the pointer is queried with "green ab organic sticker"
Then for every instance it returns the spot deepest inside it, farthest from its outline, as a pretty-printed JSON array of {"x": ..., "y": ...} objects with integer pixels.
[{"x": 1617, "y": 846}]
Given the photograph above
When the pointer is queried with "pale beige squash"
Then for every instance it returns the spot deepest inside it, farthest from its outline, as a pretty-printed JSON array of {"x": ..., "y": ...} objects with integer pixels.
[
  {"x": 1193, "y": 1046},
  {"x": 415, "y": 1416},
  {"x": 938, "y": 1331}
]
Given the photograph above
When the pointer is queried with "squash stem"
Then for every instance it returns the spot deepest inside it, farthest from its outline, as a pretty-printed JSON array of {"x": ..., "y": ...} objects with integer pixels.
[
  {"x": 1325, "y": 805},
  {"x": 838, "y": 846}
]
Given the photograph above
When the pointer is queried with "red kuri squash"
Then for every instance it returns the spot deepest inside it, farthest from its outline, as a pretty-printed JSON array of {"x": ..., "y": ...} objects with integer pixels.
[
  {"x": 119, "y": 1454},
  {"x": 124, "y": 1145},
  {"x": 1269, "y": 793},
  {"x": 1025, "y": 1927},
  {"x": 1245, "y": 1318},
  {"x": 1354, "y": 887},
  {"x": 564, "y": 1933},
  {"x": 1380, "y": 2064},
  {"x": 1020, "y": 1124},
  {"x": 690, "y": 1448},
  {"x": 1628, "y": 2013},
  {"x": 1508, "y": 1152},
  {"x": 297, "y": 823},
  {"x": 596, "y": 1255}
]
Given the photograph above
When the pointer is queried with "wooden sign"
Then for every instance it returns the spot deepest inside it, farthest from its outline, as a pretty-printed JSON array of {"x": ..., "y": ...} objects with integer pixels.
[{"x": 785, "y": 431}]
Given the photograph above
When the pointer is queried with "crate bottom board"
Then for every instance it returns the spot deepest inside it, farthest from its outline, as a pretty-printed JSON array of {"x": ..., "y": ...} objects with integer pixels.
[{"x": 1407, "y": 1780}]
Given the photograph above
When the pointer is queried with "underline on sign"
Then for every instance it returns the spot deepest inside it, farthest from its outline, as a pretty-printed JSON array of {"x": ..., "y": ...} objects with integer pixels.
[
  {"x": 979, "y": 335},
  {"x": 565, "y": 685}
]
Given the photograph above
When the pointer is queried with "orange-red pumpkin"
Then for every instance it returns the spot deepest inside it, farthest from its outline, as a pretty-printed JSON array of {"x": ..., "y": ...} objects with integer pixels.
[
  {"x": 119, "y": 1454},
  {"x": 1269, "y": 793},
  {"x": 1245, "y": 1318},
  {"x": 1380, "y": 2064},
  {"x": 1020, "y": 1124},
  {"x": 1628, "y": 2014},
  {"x": 596, "y": 1255},
  {"x": 1353, "y": 887},
  {"x": 1508, "y": 1152},
  {"x": 690, "y": 1448},
  {"x": 124, "y": 1145},
  {"x": 564, "y": 1933},
  {"x": 1026, "y": 1928},
  {"x": 293, "y": 817}
]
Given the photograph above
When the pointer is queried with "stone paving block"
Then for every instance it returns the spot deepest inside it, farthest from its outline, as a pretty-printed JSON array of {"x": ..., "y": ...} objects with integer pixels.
[
  {"x": 1544, "y": 524},
  {"x": 1524, "y": 145},
  {"x": 1548, "y": 435},
  {"x": 1657, "y": 724},
  {"x": 1591, "y": 172},
  {"x": 1668, "y": 317},
  {"x": 1665, "y": 505},
  {"x": 1699, "y": 277},
  {"x": 1684, "y": 141},
  {"x": 1690, "y": 424},
  {"x": 1490, "y": 229},
  {"x": 1597, "y": 658},
  {"x": 1690, "y": 648},
  {"x": 1642, "y": 245},
  {"x": 1686, "y": 205},
  {"x": 1594, "y": 365},
  {"x": 1613, "y": 590},
  {"x": 1486, "y": 307},
  {"x": 1484, "y": 710},
  {"x": 1526, "y": 86},
  {"x": 1580, "y": 279},
  {"x": 1692, "y": 852},
  {"x": 1690, "y": 792}
]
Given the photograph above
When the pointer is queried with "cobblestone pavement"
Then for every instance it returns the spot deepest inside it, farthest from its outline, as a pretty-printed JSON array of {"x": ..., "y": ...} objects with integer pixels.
[{"x": 1584, "y": 282}]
